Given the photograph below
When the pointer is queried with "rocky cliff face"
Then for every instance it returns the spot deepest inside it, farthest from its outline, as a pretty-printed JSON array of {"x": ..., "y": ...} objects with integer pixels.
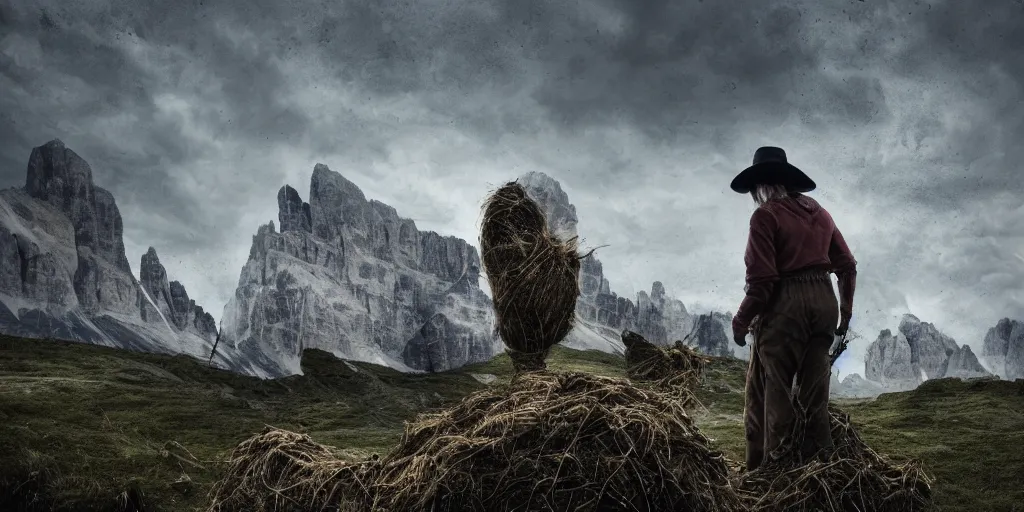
[
  {"x": 890, "y": 362},
  {"x": 349, "y": 276},
  {"x": 930, "y": 348},
  {"x": 1003, "y": 349},
  {"x": 708, "y": 336},
  {"x": 963, "y": 364},
  {"x": 64, "y": 273},
  {"x": 169, "y": 301},
  {"x": 725, "y": 321},
  {"x": 918, "y": 352},
  {"x": 601, "y": 313}
]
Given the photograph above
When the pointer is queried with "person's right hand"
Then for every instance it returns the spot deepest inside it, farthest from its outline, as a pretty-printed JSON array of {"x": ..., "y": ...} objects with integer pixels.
[
  {"x": 739, "y": 332},
  {"x": 844, "y": 325}
]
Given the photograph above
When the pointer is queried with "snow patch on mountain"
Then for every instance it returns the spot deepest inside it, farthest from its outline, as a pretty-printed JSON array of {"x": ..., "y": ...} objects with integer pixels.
[
  {"x": 150, "y": 300},
  {"x": 592, "y": 336}
]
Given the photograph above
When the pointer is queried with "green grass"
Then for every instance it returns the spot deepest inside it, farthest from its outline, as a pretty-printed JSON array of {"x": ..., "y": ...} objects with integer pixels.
[
  {"x": 80, "y": 424},
  {"x": 970, "y": 436}
]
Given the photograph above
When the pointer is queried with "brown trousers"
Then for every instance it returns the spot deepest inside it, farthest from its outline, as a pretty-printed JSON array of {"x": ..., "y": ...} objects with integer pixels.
[{"x": 787, "y": 390}]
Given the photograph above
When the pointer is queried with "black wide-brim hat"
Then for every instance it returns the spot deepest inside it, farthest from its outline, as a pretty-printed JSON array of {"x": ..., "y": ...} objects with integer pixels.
[{"x": 771, "y": 168}]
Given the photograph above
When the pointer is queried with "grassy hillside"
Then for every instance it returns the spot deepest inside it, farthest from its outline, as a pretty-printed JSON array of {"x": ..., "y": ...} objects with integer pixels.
[{"x": 82, "y": 427}]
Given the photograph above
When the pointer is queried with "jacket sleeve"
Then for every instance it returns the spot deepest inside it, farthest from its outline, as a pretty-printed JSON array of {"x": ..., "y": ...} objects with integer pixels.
[
  {"x": 845, "y": 268},
  {"x": 761, "y": 271}
]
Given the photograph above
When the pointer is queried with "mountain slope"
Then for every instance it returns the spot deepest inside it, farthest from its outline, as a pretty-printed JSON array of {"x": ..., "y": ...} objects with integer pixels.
[
  {"x": 349, "y": 276},
  {"x": 1003, "y": 348},
  {"x": 64, "y": 273}
]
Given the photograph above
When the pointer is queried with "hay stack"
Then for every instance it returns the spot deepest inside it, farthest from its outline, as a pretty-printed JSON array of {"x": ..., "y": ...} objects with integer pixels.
[
  {"x": 556, "y": 442},
  {"x": 854, "y": 478},
  {"x": 677, "y": 367},
  {"x": 278, "y": 471},
  {"x": 534, "y": 276}
]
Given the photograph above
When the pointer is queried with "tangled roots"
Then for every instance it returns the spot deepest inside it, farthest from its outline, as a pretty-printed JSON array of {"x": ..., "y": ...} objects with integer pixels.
[{"x": 534, "y": 276}]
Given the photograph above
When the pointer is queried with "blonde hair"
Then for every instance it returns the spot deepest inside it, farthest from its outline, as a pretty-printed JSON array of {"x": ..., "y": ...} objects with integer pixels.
[{"x": 764, "y": 193}]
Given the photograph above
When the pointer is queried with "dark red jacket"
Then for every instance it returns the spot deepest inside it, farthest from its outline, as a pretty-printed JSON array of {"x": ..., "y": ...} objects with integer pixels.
[{"x": 789, "y": 235}]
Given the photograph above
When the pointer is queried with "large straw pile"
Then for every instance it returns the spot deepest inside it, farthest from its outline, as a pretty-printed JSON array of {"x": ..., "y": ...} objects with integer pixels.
[
  {"x": 534, "y": 276},
  {"x": 679, "y": 367},
  {"x": 544, "y": 442},
  {"x": 854, "y": 478},
  {"x": 556, "y": 442},
  {"x": 561, "y": 442},
  {"x": 278, "y": 471}
]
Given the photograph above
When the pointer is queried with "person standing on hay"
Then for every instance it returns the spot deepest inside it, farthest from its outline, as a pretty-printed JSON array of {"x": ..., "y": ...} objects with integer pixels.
[{"x": 789, "y": 306}]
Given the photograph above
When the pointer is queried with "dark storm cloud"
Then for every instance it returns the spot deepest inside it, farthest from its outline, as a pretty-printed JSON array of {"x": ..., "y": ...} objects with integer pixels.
[
  {"x": 669, "y": 68},
  {"x": 975, "y": 45},
  {"x": 677, "y": 69},
  {"x": 84, "y": 74}
]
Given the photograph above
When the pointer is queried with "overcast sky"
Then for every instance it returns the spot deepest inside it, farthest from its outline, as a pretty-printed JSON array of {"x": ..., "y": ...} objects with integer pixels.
[{"x": 909, "y": 116}]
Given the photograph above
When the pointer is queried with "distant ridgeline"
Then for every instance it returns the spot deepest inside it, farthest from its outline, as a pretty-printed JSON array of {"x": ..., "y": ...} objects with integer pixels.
[
  {"x": 342, "y": 273},
  {"x": 918, "y": 352},
  {"x": 351, "y": 277}
]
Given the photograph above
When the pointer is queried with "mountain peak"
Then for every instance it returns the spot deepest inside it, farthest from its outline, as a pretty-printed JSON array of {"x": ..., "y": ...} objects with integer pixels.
[
  {"x": 293, "y": 213},
  {"x": 548, "y": 194},
  {"x": 658, "y": 290},
  {"x": 539, "y": 178},
  {"x": 152, "y": 274},
  {"x": 76, "y": 242},
  {"x": 910, "y": 318},
  {"x": 1003, "y": 348},
  {"x": 366, "y": 278},
  {"x": 59, "y": 176},
  {"x": 334, "y": 185}
]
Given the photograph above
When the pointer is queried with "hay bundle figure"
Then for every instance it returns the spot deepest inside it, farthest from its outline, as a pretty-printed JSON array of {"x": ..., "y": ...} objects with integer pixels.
[
  {"x": 553, "y": 441},
  {"x": 851, "y": 478},
  {"x": 679, "y": 367},
  {"x": 534, "y": 276}
]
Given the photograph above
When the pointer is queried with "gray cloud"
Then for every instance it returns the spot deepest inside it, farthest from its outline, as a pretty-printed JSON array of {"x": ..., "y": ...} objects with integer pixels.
[{"x": 194, "y": 113}]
